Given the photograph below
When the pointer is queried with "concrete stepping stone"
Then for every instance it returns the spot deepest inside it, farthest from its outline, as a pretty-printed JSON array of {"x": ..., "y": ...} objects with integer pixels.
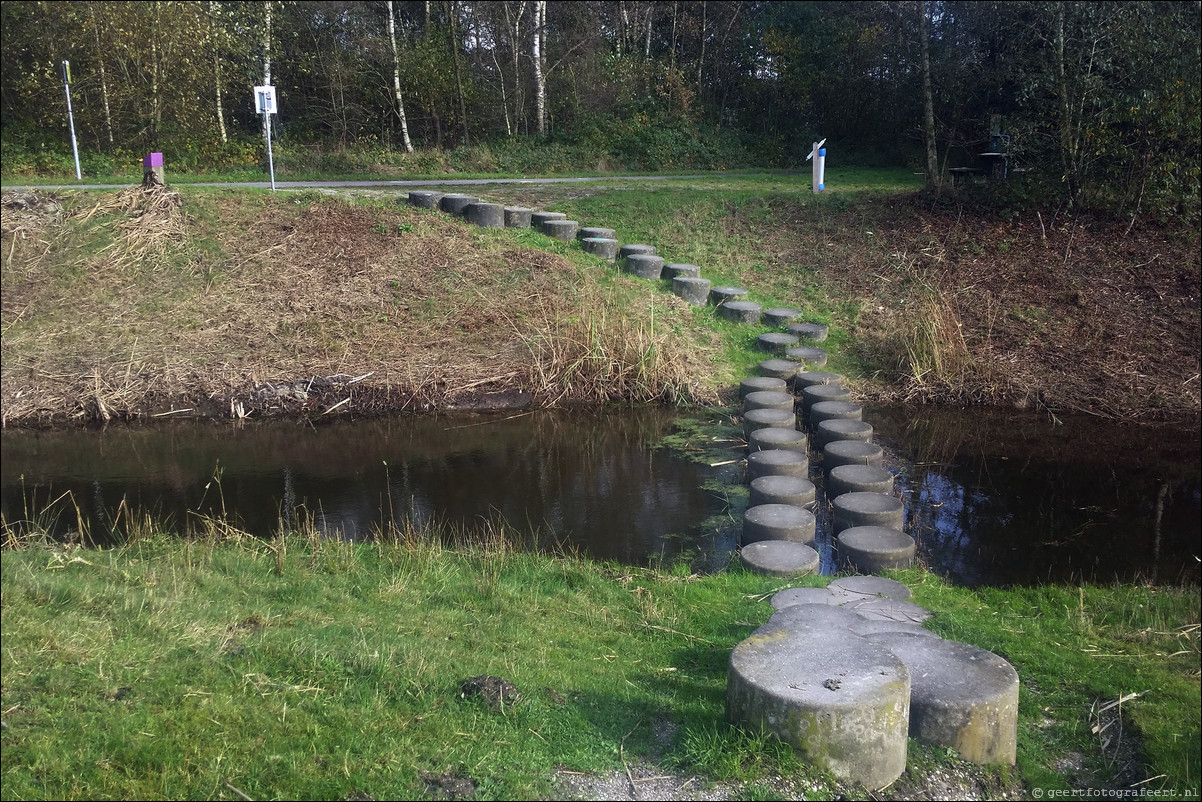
[
  {"x": 870, "y": 549},
  {"x": 563, "y": 230},
  {"x": 867, "y": 626},
  {"x": 835, "y": 410},
  {"x": 851, "y": 452},
  {"x": 792, "y": 597},
  {"x": 867, "y": 509},
  {"x": 748, "y": 312},
  {"x": 961, "y": 697},
  {"x": 644, "y": 265},
  {"x": 488, "y": 215},
  {"x": 601, "y": 247},
  {"x": 780, "y": 315},
  {"x": 455, "y": 203},
  {"x": 692, "y": 289},
  {"x": 807, "y": 354},
  {"x": 782, "y": 490},
  {"x": 778, "y": 522},
  {"x": 815, "y": 332},
  {"x": 810, "y": 378},
  {"x": 774, "y": 342},
  {"x": 890, "y": 610},
  {"x": 767, "y": 418},
  {"x": 858, "y": 479},
  {"x": 829, "y": 431},
  {"x": 816, "y": 617},
  {"x": 425, "y": 199},
  {"x": 726, "y": 293},
  {"x": 633, "y": 248},
  {"x": 840, "y": 700},
  {"x": 823, "y": 392},
  {"x": 517, "y": 217},
  {"x": 596, "y": 231},
  {"x": 769, "y": 399},
  {"x": 675, "y": 269},
  {"x": 780, "y": 368},
  {"x": 773, "y": 437},
  {"x": 754, "y": 384},
  {"x": 871, "y": 587},
  {"x": 538, "y": 218},
  {"x": 779, "y": 558},
  {"x": 777, "y": 462}
]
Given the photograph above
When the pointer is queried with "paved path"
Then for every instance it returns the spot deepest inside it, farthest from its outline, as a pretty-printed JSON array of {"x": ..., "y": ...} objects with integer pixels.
[{"x": 424, "y": 182}]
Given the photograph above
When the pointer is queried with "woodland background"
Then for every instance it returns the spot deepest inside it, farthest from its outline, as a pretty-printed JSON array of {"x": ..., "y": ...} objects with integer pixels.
[{"x": 1101, "y": 99}]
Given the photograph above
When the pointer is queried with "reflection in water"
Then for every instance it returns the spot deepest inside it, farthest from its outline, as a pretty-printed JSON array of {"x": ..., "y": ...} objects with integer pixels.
[
  {"x": 991, "y": 497},
  {"x": 584, "y": 479},
  {"x": 1002, "y": 497}
]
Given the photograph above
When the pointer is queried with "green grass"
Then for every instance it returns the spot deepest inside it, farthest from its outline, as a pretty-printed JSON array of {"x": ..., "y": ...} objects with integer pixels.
[
  {"x": 310, "y": 668},
  {"x": 1080, "y": 647}
]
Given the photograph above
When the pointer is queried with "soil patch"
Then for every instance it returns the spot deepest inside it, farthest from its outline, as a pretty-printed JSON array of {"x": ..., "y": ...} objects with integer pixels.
[{"x": 1071, "y": 314}]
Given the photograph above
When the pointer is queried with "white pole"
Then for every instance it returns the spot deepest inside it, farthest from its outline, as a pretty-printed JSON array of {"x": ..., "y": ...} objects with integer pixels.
[
  {"x": 814, "y": 167},
  {"x": 818, "y": 154},
  {"x": 270, "y": 160},
  {"x": 71, "y": 117}
]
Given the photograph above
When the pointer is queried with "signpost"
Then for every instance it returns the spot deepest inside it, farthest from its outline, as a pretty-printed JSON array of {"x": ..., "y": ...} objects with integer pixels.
[
  {"x": 66, "y": 71},
  {"x": 265, "y": 105},
  {"x": 818, "y": 154}
]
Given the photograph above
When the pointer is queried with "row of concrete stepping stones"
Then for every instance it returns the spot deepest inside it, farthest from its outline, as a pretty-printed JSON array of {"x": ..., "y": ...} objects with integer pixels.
[
  {"x": 846, "y": 673},
  {"x": 637, "y": 259}
]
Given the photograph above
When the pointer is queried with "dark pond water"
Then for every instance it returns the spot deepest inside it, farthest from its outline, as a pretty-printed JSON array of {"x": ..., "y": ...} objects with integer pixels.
[
  {"x": 999, "y": 497},
  {"x": 589, "y": 480},
  {"x": 996, "y": 498}
]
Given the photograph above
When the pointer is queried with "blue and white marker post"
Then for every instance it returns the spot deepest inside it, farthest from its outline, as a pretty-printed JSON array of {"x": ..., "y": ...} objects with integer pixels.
[
  {"x": 818, "y": 154},
  {"x": 265, "y": 105}
]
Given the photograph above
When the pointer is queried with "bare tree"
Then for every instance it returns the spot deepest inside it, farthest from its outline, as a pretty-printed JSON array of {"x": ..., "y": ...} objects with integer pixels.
[
  {"x": 538, "y": 53},
  {"x": 104, "y": 84},
  {"x": 266, "y": 54},
  {"x": 928, "y": 100},
  {"x": 396, "y": 79},
  {"x": 513, "y": 18},
  {"x": 456, "y": 46},
  {"x": 215, "y": 37}
]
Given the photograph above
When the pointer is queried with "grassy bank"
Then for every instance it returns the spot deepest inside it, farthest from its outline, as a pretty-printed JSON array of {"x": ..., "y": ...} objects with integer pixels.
[
  {"x": 127, "y": 305},
  {"x": 123, "y": 305},
  {"x": 307, "y": 668}
]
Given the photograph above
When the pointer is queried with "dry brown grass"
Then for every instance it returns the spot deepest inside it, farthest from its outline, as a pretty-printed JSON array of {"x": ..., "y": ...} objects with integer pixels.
[
  {"x": 132, "y": 306},
  {"x": 955, "y": 305}
]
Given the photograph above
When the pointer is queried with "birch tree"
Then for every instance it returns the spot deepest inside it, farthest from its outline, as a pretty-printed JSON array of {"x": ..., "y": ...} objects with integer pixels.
[
  {"x": 216, "y": 39},
  {"x": 538, "y": 42},
  {"x": 396, "y": 79}
]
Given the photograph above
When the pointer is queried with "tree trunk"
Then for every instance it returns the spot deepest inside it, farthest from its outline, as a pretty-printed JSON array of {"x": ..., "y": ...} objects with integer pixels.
[
  {"x": 452, "y": 14},
  {"x": 267, "y": 44},
  {"x": 104, "y": 84},
  {"x": 701, "y": 54},
  {"x": 396, "y": 79},
  {"x": 647, "y": 45},
  {"x": 215, "y": 35},
  {"x": 928, "y": 101},
  {"x": 539, "y": 56},
  {"x": 156, "y": 107},
  {"x": 672, "y": 51},
  {"x": 266, "y": 56},
  {"x": 515, "y": 41},
  {"x": 1067, "y": 144}
]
